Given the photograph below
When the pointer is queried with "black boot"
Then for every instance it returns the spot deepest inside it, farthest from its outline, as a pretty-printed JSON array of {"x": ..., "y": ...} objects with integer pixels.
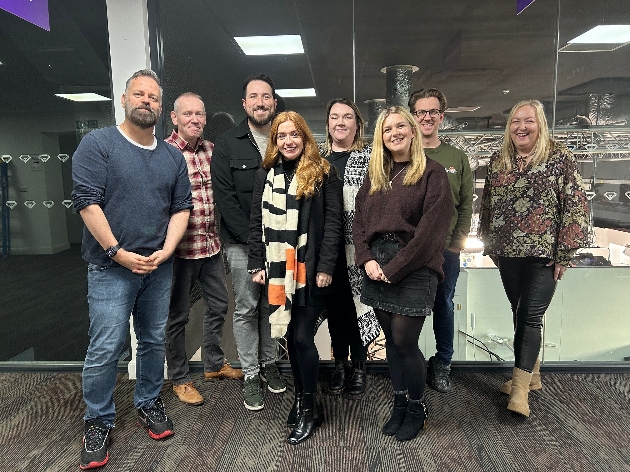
[
  {"x": 415, "y": 420},
  {"x": 338, "y": 379},
  {"x": 356, "y": 383},
  {"x": 310, "y": 419},
  {"x": 398, "y": 414},
  {"x": 296, "y": 410}
]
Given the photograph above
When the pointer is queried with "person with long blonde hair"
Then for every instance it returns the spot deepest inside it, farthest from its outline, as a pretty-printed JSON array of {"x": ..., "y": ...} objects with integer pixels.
[
  {"x": 533, "y": 218},
  {"x": 403, "y": 213},
  {"x": 294, "y": 237}
]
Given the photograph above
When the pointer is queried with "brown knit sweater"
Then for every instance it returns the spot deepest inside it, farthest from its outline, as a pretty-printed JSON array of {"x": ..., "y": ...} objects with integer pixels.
[{"x": 419, "y": 215}]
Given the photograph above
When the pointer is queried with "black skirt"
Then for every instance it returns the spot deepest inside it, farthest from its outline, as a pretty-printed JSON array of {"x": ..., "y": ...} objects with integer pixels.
[{"x": 412, "y": 296}]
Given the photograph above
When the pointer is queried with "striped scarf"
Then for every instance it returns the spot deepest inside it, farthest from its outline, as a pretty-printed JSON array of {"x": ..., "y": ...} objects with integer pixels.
[{"x": 285, "y": 228}]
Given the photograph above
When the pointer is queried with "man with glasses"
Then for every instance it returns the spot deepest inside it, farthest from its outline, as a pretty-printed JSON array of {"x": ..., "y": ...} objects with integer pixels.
[
  {"x": 237, "y": 156},
  {"x": 198, "y": 258},
  {"x": 428, "y": 107}
]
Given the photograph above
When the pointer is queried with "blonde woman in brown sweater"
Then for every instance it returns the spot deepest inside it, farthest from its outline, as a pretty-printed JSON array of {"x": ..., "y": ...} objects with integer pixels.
[{"x": 403, "y": 212}]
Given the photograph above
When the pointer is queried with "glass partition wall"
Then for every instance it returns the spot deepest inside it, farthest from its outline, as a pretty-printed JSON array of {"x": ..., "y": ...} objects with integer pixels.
[{"x": 483, "y": 55}]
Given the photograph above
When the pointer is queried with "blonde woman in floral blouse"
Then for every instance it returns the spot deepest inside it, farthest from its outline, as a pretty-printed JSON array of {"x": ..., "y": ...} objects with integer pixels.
[{"x": 533, "y": 219}]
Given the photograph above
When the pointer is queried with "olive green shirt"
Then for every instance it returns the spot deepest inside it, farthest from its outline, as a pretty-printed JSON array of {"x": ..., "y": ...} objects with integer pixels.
[{"x": 460, "y": 178}]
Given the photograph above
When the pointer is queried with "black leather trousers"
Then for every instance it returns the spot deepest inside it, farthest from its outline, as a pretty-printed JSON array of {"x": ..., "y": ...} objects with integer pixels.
[{"x": 529, "y": 286}]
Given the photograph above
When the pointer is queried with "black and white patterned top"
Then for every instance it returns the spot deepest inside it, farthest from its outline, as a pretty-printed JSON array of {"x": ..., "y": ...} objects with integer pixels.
[{"x": 355, "y": 172}]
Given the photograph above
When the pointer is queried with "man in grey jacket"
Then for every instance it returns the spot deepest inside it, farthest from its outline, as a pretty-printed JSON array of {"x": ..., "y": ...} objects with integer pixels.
[{"x": 237, "y": 156}]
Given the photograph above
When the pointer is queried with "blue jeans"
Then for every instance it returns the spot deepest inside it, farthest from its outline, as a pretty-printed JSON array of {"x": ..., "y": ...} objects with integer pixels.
[
  {"x": 443, "y": 309},
  {"x": 210, "y": 272},
  {"x": 114, "y": 293},
  {"x": 252, "y": 330}
]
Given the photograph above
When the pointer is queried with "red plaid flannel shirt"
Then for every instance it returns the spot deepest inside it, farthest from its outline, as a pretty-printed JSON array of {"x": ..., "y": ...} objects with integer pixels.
[{"x": 202, "y": 234}]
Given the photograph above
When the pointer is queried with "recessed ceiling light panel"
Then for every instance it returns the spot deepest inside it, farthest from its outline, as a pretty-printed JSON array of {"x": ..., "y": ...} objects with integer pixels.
[
  {"x": 270, "y": 45},
  {"x": 461, "y": 109},
  {"x": 290, "y": 93},
  {"x": 599, "y": 38},
  {"x": 83, "y": 97}
]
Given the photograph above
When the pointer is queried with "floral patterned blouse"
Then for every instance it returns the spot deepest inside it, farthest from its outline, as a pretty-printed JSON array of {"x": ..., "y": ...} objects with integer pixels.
[{"x": 540, "y": 211}]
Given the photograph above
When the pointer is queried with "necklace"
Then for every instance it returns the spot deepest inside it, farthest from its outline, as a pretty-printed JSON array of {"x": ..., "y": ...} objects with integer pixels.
[{"x": 399, "y": 172}]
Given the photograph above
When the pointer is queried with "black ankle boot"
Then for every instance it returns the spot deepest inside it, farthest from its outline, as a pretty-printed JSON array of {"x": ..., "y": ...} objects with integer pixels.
[
  {"x": 296, "y": 410},
  {"x": 356, "y": 383},
  {"x": 338, "y": 379},
  {"x": 310, "y": 419},
  {"x": 397, "y": 416},
  {"x": 415, "y": 420}
]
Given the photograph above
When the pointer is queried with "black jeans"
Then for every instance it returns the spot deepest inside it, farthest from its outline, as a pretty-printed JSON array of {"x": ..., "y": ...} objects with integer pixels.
[
  {"x": 342, "y": 317},
  {"x": 210, "y": 273},
  {"x": 529, "y": 286}
]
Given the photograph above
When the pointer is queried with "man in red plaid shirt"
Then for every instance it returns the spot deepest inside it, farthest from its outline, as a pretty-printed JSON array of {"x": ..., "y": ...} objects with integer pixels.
[{"x": 198, "y": 258}]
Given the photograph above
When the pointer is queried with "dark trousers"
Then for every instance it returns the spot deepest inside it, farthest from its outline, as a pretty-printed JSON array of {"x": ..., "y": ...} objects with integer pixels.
[
  {"x": 303, "y": 354},
  {"x": 210, "y": 272},
  {"x": 443, "y": 309},
  {"x": 342, "y": 318},
  {"x": 529, "y": 286}
]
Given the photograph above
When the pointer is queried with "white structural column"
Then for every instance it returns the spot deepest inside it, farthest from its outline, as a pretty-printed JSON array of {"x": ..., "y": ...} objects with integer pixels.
[{"x": 128, "y": 25}]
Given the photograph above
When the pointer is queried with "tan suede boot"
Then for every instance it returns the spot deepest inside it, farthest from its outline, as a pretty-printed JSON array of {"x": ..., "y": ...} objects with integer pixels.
[
  {"x": 535, "y": 383},
  {"x": 520, "y": 390}
]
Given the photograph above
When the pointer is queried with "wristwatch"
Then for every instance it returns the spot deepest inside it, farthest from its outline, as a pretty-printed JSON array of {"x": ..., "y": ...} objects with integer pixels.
[{"x": 112, "y": 251}]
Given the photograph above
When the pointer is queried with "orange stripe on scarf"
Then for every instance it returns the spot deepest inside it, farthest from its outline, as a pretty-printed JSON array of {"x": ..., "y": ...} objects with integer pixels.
[
  {"x": 276, "y": 295},
  {"x": 300, "y": 274}
]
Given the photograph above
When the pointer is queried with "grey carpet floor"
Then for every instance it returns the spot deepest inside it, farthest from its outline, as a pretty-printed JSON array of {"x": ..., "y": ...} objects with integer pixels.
[{"x": 579, "y": 422}]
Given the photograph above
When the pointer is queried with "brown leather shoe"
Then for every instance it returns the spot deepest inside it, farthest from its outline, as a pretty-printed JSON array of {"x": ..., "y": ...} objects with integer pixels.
[
  {"x": 187, "y": 393},
  {"x": 226, "y": 372}
]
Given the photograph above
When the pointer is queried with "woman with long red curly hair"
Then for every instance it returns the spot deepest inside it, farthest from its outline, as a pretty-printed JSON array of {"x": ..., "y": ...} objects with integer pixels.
[{"x": 294, "y": 236}]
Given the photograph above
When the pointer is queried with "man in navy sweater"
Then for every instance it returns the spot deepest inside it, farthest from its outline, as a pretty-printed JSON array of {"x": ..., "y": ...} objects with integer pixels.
[{"x": 133, "y": 194}]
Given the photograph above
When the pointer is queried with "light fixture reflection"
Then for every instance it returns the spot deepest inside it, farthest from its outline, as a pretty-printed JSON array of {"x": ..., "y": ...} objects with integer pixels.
[
  {"x": 83, "y": 97},
  {"x": 270, "y": 45}
]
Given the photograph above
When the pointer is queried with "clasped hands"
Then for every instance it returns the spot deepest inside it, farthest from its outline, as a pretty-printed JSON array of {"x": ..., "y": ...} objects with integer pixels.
[
  {"x": 322, "y": 279},
  {"x": 374, "y": 271}
]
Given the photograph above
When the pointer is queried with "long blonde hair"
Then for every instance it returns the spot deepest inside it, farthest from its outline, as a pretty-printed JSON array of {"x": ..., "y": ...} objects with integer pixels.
[
  {"x": 543, "y": 143},
  {"x": 312, "y": 166},
  {"x": 381, "y": 161}
]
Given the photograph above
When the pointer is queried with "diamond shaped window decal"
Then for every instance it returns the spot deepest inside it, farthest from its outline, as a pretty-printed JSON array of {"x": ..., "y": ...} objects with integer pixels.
[
  {"x": 11, "y": 204},
  {"x": 6, "y": 158},
  {"x": 44, "y": 157},
  {"x": 590, "y": 195},
  {"x": 67, "y": 203},
  {"x": 24, "y": 158},
  {"x": 48, "y": 203},
  {"x": 29, "y": 203},
  {"x": 610, "y": 195},
  {"x": 63, "y": 157}
]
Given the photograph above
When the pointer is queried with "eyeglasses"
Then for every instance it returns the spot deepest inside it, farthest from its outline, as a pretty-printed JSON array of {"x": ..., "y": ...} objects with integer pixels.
[
  {"x": 189, "y": 114},
  {"x": 433, "y": 112},
  {"x": 293, "y": 135}
]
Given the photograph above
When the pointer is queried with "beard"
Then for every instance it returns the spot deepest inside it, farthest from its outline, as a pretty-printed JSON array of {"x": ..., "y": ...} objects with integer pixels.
[
  {"x": 139, "y": 118},
  {"x": 261, "y": 121}
]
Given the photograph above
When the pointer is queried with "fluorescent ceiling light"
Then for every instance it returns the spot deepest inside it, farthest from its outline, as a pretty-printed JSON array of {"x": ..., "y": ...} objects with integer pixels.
[
  {"x": 288, "y": 93},
  {"x": 270, "y": 45},
  {"x": 461, "y": 109},
  {"x": 83, "y": 97},
  {"x": 600, "y": 38}
]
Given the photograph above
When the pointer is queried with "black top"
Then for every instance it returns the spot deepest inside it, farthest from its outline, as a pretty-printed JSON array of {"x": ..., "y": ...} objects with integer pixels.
[{"x": 339, "y": 159}]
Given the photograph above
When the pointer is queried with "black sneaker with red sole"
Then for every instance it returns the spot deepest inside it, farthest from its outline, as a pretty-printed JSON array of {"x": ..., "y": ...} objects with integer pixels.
[
  {"x": 96, "y": 438},
  {"x": 155, "y": 421}
]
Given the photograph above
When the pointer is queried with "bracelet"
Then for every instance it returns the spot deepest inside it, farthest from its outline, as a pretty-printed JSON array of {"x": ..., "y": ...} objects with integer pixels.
[{"x": 253, "y": 271}]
